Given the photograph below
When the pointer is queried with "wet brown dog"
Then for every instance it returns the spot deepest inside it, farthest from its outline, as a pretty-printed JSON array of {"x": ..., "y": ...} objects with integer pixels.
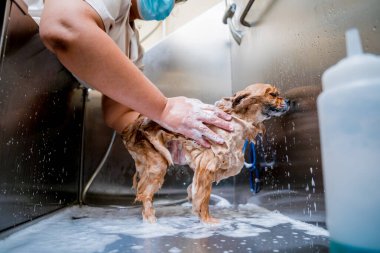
[{"x": 148, "y": 144}]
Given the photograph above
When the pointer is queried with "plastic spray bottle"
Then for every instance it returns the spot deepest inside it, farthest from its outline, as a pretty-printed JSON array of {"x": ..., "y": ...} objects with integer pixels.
[{"x": 349, "y": 120}]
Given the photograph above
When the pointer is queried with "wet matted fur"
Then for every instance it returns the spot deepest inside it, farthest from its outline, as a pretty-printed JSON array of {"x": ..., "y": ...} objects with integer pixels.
[{"x": 148, "y": 143}]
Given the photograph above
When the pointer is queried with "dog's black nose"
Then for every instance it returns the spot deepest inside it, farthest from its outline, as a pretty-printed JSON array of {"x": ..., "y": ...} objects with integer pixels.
[{"x": 288, "y": 104}]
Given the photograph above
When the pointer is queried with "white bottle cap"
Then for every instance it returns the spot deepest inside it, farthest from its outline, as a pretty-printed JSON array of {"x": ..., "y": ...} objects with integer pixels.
[
  {"x": 353, "y": 43},
  {"x": 356, "y": 69}
]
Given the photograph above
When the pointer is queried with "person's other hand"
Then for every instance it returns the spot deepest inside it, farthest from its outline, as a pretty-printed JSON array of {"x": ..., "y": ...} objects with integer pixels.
[{"x": 188, "y": 117}]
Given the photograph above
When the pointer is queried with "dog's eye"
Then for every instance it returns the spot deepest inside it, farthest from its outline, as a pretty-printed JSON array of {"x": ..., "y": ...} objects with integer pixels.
[{"x": 273, "y": 94}]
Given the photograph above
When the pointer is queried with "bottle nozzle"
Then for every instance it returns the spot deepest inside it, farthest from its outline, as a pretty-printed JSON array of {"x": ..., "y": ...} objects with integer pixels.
[{"x": 353, "y": 42}]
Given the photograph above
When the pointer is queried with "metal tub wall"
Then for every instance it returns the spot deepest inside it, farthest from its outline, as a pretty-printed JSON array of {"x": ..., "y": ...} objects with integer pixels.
[
  {"x": 290, "y": 44},
  {"x": 40, "y": 126}
]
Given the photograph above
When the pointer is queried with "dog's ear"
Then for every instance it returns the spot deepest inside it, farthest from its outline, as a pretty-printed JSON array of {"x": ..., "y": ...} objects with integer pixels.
[
  {"x": 237, "y": 100},
  {"x": 241, "y": 102}
]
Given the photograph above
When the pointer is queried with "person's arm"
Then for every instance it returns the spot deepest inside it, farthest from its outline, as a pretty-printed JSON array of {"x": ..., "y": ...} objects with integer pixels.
[
  {"x": 71, "y": 30},
  {"x": 74, "y": 32}
]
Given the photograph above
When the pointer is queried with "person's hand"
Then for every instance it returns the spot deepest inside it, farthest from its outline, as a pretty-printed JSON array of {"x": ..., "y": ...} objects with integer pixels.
[{"x": 188, "y": 117}]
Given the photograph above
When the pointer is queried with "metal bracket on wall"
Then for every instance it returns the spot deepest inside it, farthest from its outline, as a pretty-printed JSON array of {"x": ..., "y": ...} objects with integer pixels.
[
  {"x": 227, "y": 19},
  {"x": 244, "y": 14},
  {"x": 6, "y": 9}
]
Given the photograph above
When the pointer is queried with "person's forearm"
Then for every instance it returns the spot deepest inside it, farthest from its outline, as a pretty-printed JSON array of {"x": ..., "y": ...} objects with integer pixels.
[
  {"x": 90, "y": 54},
  {"x": 108, "y": 70}
]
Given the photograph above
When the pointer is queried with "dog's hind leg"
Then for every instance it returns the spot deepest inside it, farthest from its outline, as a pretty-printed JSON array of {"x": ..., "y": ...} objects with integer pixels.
[
  {"x": 201, "y": 191},
  {"x": 189, "y": 194},
  {"x": 150, "y": 177}
]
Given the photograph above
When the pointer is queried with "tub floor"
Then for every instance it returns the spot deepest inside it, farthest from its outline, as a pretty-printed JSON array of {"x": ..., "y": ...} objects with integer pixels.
[{"x": 243, "y": 228}]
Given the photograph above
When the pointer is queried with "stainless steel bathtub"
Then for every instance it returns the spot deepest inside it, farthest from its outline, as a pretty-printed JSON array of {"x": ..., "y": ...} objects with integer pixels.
[{"x": 45, "y": 166}]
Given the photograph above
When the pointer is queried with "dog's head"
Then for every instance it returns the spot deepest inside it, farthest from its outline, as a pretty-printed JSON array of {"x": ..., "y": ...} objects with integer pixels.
[{"x": 255, "y": 103}]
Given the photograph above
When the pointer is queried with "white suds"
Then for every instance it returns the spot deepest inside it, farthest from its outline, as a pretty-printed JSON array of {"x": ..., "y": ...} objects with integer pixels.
[
  {"x": 174, "y": 250},
  {"x": 101, "y": 227},
  {"x": 137, "y": 247}
]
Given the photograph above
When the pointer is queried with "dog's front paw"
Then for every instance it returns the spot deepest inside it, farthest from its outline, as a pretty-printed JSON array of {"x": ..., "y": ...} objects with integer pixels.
[
  {"x": 151, "y": 219},
  {"x": 210, "y": 220},
  {"x": 149, "y": 215}
]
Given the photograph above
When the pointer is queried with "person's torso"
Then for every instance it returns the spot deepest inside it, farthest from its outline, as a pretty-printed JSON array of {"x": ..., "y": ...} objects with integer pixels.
[{"x": 115, "y": 17}]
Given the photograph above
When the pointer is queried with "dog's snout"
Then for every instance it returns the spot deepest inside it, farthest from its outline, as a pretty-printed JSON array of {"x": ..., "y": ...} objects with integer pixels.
[{"x": 286, "y": 104}]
